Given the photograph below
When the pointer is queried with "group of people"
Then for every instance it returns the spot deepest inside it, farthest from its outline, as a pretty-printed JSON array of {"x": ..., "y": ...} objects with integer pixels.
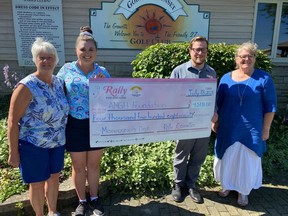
[
  {"x": 50, "y": 113},
  {"x": 245, "y": 107}
]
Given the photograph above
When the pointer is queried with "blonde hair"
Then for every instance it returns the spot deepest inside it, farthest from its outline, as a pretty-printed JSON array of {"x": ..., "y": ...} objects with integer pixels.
[{"x": 41, "y": 45}]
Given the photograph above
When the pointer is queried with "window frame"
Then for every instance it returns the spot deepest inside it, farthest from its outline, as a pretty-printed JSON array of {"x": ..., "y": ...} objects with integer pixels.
[{"x": 279, "y": 4}]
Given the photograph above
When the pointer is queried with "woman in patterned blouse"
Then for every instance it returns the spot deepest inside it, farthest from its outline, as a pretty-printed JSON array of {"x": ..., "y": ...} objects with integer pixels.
[
  {"x": 85, "y": 159},
  {"x": 36, "y": 128}
]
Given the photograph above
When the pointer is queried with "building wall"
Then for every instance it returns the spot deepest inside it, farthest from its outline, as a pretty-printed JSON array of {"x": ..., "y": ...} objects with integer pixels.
[
  {"x": 231, "y": 21},
  {"x": 280, "y": 77}
]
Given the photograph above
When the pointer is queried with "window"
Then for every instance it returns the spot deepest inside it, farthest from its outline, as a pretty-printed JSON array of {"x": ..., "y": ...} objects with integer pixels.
[{"x": 271, "y": 28}]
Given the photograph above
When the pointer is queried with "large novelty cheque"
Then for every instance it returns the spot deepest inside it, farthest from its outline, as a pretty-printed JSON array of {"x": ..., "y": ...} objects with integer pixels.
[{"x": 133, "y": 111}]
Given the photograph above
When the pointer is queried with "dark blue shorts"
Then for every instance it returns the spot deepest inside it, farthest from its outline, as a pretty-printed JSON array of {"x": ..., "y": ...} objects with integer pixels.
[
  {"x": 37, "y": 164},
  {"x": 77, "y": 135}
]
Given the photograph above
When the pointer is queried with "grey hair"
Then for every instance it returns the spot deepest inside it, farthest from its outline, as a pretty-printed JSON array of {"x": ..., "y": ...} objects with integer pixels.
[
  {"x": 41, "y": 45},
  {"x": 249, "y": 46}
]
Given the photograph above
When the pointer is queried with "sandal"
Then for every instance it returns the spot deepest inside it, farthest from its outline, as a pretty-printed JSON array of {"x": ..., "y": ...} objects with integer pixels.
[
  {"x": 242, "y": 200},
  {"x": 224, "y": 193}
]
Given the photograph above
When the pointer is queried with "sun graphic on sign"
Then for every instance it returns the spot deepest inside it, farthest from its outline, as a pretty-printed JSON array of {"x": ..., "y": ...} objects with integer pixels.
[{"x": 152, "y": 24}]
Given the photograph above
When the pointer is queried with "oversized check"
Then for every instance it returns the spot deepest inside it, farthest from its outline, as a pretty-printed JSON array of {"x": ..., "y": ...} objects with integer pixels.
[{"x": 132, "y": 111}]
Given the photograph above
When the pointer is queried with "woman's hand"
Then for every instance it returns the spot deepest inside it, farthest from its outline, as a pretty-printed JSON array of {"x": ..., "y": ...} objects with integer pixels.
[
  {"x": 268, "y": 118},
  {"x": 20, "y": 100},
  {"x": 215, "y": 126},
  {"x": 215, "y": 123},
  {"x": 100, "y": 75},
  {"x": 265, "y": 134},
  {"x": 14, "y": 159}
]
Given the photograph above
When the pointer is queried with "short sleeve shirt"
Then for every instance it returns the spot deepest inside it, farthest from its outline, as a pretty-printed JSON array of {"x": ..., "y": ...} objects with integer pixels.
[
  {"x": 186, "y": 70},
  {"x": 77, "y": 86}
]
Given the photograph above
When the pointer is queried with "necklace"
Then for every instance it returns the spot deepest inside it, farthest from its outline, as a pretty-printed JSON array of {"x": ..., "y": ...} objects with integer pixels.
[{"x": 241, "y": 95}]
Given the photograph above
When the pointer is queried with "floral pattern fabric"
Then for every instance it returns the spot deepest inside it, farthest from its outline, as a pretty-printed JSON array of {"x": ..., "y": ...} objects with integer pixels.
[{"x": 44, "y": 121}]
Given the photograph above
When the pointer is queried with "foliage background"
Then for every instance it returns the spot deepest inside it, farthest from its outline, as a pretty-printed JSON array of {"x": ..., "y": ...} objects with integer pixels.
[
  {"x": 158, "y": 61},
  {"x": 144, "y": 169}
]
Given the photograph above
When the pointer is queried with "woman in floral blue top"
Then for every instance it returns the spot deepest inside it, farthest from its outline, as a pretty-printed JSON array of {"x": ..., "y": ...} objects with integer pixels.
[
  {"x": 36, "y": 128},
  {"x": 85, "y": 160}
]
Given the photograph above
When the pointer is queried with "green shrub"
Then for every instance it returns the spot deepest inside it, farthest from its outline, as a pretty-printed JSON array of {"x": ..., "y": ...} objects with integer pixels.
[
  {"x": 275, "y": 159},
  {"x": 3, "y": 143},
  {"x": 4, "y": 107},
  {"x": 158, "y": 61},
  {"x": 139, "y": 168},
  {"x": 143, "y": 169},
  {"x": 206, "y": 176},
  {"x": 10, "y": 183}
]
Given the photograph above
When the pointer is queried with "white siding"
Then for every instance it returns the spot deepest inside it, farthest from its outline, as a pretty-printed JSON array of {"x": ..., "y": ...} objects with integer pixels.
[
  {"x": 231, "y": 22},
  {"x": 7, "y": 37}
]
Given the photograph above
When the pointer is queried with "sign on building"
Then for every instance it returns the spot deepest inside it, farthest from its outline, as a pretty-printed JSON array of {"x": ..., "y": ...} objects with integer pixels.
[
  {"x": 137, "y": 24},
  {"x": 37, "y": 19}
]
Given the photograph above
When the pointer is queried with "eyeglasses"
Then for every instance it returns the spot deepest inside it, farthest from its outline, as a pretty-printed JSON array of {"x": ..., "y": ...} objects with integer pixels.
[
  {"x": 47, "y": 58},
  {"x": 198, "y": 50},
  {"x": 246, "y": 56}
]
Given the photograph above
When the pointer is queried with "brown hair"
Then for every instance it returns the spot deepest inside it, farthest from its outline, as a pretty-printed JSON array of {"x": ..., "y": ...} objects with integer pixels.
[
  {"x": 86, "y": 29},
  {"x": 86, "y": 34},
  {"x": 198, "y": 38}
]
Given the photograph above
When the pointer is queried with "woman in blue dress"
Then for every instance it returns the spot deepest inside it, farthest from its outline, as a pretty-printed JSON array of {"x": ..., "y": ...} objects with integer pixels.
[{"x": 246, "y": 104}]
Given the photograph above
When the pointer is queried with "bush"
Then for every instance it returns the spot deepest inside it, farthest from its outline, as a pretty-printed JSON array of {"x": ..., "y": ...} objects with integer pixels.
[
  {"x": 3, "y": 143},
  {"x": 275, "y": 159},
  {"x": 138, "y": 168},
  {"x": 10, "y": 183},
  {"x": 4, "y": 105},
  {"x": 158, "y": 61}
]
